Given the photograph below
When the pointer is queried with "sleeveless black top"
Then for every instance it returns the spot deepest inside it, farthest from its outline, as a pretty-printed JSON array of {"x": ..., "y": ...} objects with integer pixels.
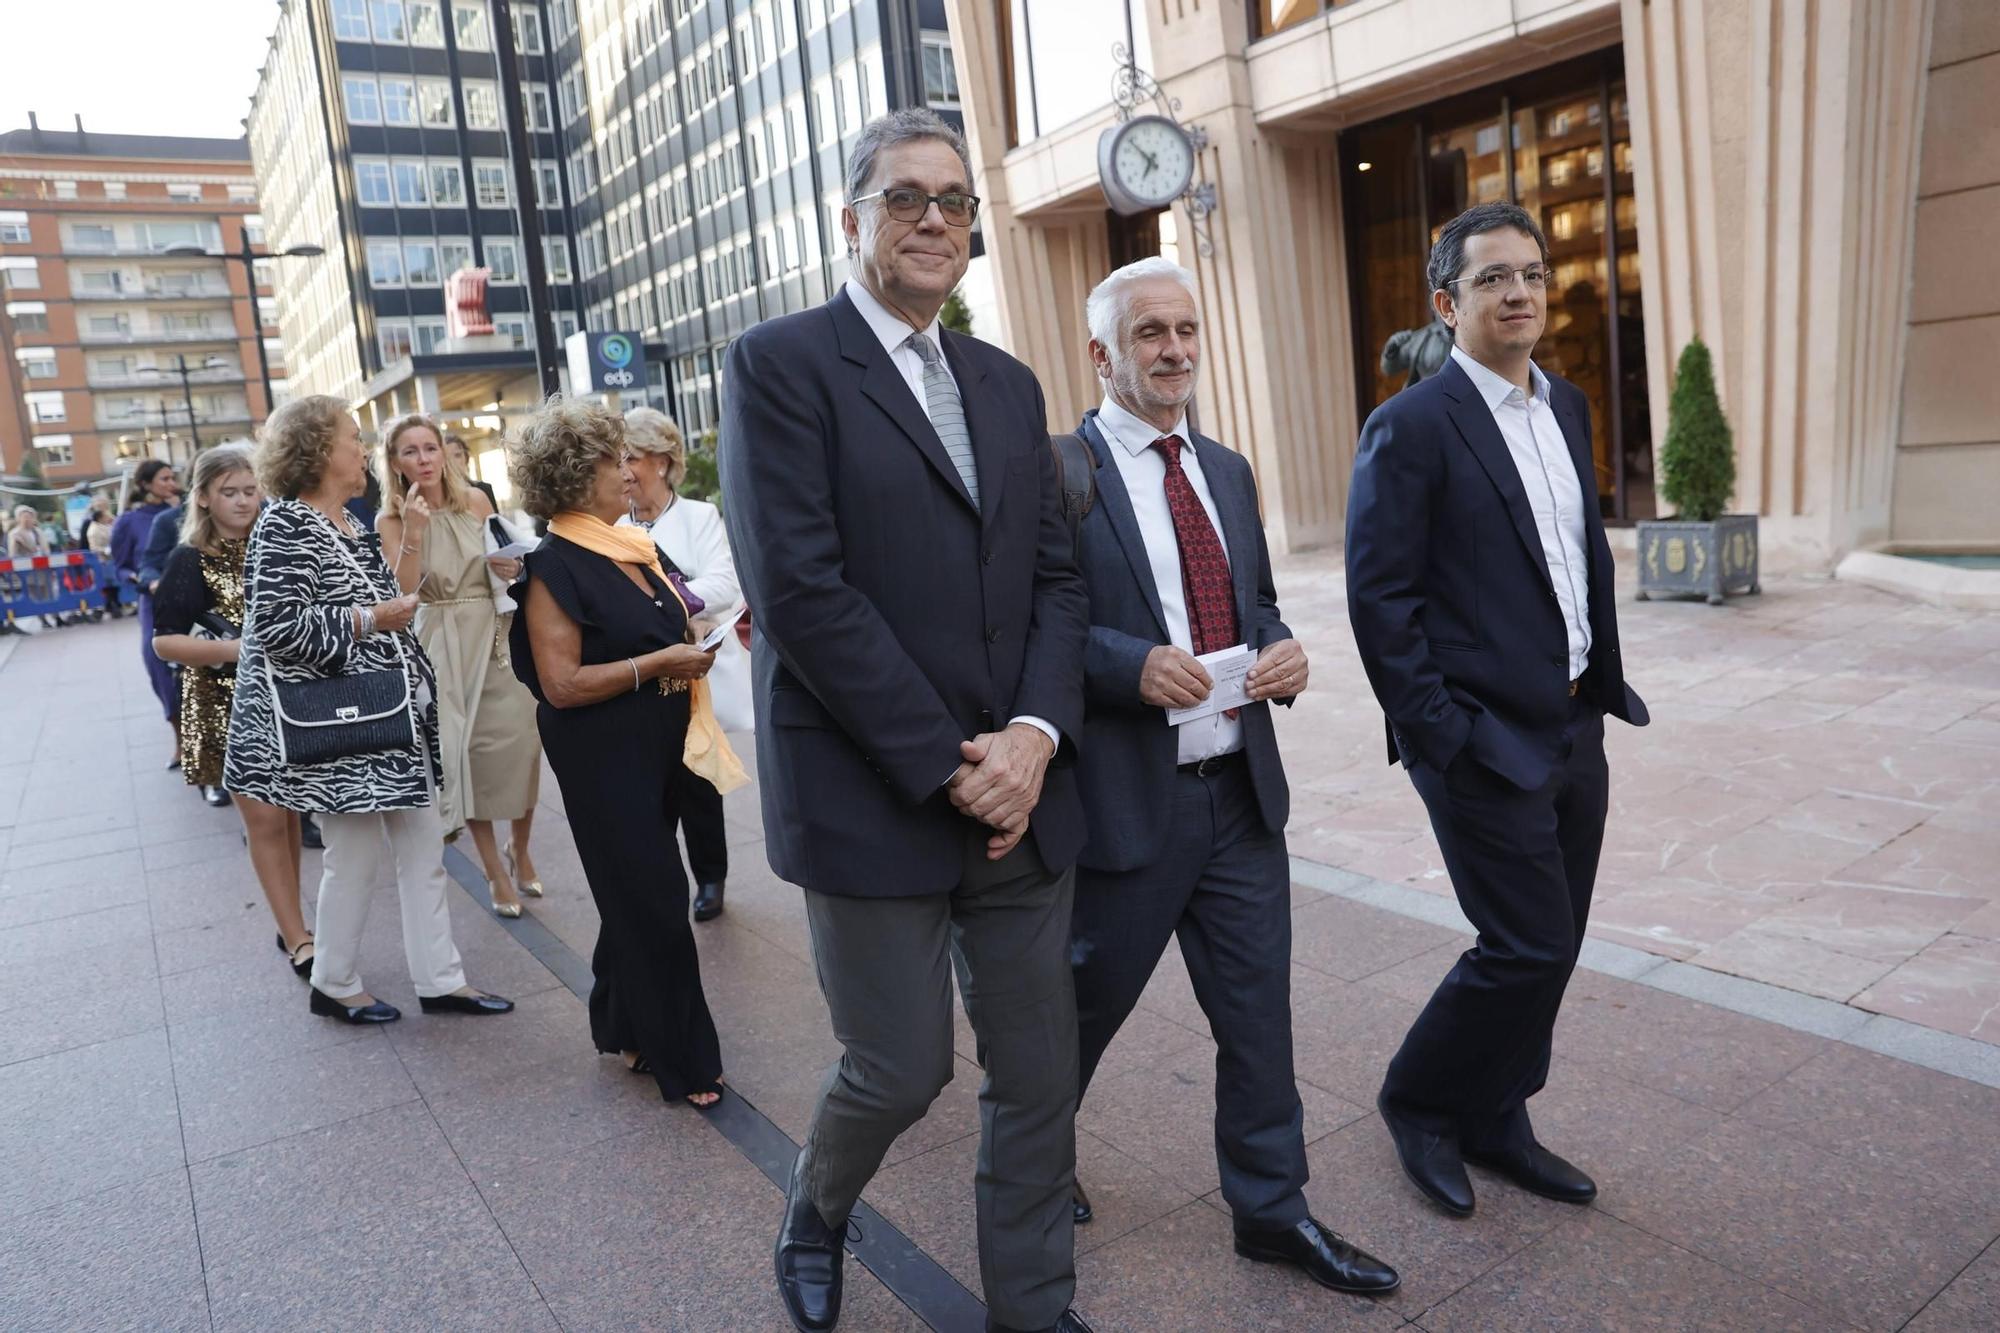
[{"x": 616, "y": 620}]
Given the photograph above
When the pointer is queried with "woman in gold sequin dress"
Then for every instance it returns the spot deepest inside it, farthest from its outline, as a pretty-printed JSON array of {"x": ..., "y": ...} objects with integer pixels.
[
  {"x": 197, "y": 621},
  {"x": 433, "y": 533}
]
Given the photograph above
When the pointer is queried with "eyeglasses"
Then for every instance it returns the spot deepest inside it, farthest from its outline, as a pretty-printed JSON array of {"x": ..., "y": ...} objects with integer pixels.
[
  {"x": 909, "y": 205},
  {"x": 1493, "y": 281}
]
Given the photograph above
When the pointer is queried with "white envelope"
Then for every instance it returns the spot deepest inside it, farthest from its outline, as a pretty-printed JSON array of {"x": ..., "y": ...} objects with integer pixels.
[{"x": 1229, "y": 670}]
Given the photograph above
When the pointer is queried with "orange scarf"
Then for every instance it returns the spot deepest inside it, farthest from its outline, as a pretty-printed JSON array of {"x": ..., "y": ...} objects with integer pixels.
[{"x": 706, "y": 752}]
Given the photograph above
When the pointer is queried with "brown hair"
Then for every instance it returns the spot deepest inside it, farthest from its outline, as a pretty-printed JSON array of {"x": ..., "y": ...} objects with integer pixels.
[
  {"x": 553, "y": 458},
  {"x": 210, "y": 466},
  {"x": 293, "y": 445}
]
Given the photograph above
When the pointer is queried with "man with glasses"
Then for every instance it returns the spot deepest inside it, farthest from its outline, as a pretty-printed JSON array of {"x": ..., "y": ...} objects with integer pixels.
[
  {"x": 917, "y": 665},
  {"x": 1479, "y": 586}
]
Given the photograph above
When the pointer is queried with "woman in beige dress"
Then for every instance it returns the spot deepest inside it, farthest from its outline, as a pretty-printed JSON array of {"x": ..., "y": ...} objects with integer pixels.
[{"x": 433, "y": 533}]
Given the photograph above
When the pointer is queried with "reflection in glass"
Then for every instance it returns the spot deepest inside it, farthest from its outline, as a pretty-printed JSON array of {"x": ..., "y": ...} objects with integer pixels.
[{"x": 1061, "y": 58}]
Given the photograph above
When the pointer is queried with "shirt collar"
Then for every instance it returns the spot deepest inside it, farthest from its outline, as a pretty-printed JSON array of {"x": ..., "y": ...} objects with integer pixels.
[
  {"x": 1494, "y": 387},
  {"x": 888, "y": 327},
  {"x": 1132, "y": 434}
]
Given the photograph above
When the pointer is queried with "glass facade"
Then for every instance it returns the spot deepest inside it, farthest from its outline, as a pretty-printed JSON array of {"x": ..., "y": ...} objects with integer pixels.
[{"x": 1557, "y": 142}]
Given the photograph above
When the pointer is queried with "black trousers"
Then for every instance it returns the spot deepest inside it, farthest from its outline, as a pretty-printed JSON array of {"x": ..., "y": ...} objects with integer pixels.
[
  {"x": 701, "y": 827},
  {"x": 1523, "y": 865},
  {"x": 1222, "y": 883}
]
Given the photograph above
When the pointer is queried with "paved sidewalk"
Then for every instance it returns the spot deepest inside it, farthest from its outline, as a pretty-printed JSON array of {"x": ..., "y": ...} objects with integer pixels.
[{"x": 182, "y": 1146}]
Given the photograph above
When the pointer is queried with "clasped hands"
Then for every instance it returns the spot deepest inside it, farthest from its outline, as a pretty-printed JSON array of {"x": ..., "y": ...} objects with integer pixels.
[{"x": 1000, "y": 782}]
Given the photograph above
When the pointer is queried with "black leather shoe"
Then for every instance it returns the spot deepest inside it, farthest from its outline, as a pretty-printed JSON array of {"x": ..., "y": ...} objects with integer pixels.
[
  {"x": 1431, "y": 1161},
  {"x": 808, "y": 1259},
  {"x": 478, "y": 1005},
  {"x": 309, "y": 834},
  {"x": 708, "y": 901},
  {"x": 215, "y": 796},
  {"x": 1079, "y": 1204},
  {"x": 1326, "y": 1258},
  {"x": 1539, "y": 1171},
  {"x": 327, "y": 1007}
]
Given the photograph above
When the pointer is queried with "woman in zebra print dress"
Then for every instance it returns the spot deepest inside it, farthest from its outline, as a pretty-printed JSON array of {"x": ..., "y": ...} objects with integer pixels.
[{"x": 322, "y": 603}]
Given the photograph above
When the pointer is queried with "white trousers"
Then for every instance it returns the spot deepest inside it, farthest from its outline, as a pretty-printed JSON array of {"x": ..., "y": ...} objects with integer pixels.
[{"x": 353, "y": 853}]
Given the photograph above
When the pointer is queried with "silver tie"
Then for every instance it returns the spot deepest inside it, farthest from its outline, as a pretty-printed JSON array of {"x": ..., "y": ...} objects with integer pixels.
[{"x": 947, "y": 414}]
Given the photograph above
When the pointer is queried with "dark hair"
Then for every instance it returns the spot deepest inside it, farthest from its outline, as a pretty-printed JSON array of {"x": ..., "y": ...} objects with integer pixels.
[
  {"x": 142, "y": 477},
  {"x": 904, "y": 125},
  {"x": 1448, "y": 255}
]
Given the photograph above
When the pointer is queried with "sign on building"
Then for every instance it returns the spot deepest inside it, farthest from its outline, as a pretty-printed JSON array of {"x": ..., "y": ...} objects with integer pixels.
[{"x": 606, "y": 362}]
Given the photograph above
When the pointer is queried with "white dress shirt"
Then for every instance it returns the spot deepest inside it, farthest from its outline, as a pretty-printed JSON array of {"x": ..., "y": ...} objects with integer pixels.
[
  {"x": 1555, "y": 494},
  {"x": 894, "y": 333},
  {"x": 1144, "y": 472}
]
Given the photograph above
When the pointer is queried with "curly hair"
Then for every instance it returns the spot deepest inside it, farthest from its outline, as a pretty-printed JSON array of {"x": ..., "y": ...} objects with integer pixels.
[
  {"x": 648, "y": 430},
  {"x": 553, "y": 458},
  {"x": 454, "y": 489},
  {"x": 293, "y": 445}
]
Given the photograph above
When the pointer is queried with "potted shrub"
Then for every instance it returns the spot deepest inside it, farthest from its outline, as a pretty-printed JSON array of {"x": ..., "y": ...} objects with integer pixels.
[{"x": 1701, "y": 551}]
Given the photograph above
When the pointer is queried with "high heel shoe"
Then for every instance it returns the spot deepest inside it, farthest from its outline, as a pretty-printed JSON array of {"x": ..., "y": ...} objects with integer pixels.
[
  {"x": 533, "y": 887},
  {"x": 327, "y": 1007},
  {"x": 511, "y": 911},
  {"x": 215, "y": 796}
]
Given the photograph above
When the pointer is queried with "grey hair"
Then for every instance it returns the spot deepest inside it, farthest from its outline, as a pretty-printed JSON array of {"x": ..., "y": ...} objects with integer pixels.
[
  {"x": 904, "y": 125},
  {"x": 1111, "y": 300}
]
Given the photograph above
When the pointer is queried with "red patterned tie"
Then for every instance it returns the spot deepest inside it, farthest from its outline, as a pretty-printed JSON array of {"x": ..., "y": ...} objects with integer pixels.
[{"x": 1211, "y": 601}]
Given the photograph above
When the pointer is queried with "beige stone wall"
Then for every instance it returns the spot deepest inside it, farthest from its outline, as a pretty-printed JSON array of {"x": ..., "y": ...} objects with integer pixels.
[{"x": 1947, "y": 467}]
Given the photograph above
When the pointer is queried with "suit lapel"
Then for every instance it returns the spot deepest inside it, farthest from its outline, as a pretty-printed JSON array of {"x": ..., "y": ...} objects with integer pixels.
[
  {"x": 1116, "y": 503},
  {"x": 886, "y": 387},
  {"x": 989, "y": 450},
  {"x": 1239, "y": 527},
  {"x": 1482, "y": 435},
  {"x": 1574, "y": 436}
]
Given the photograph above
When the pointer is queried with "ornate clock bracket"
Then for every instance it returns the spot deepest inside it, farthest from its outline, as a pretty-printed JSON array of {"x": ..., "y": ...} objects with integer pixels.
[{"x": 1132, "y": 87}]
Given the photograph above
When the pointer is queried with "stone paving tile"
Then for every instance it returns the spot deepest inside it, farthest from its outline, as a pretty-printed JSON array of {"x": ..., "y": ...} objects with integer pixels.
[
  {"x": 1598, "y": 1273},
  {"x": 1343, "y": 1035},
  {"x": 1767, "y": 950},
  {"x": 562, "y": 1106},
  {"x": 82, "y": 1121},
  {"x": 90, "y": 932},
  {"x": 1971, "y": 1301},
  {"x": 123, "y": 1259},
  {"x": 100, "y": 1011},
  {"x": 1611, "y": 1127},
  {"x": 1953, "y": 985},
  {"x": 1676, "y": 915},
  {"x": 1826, "y": 1229},
  {"x": 1351, "y": 940},
  {"x": 1935, "y": 858}
]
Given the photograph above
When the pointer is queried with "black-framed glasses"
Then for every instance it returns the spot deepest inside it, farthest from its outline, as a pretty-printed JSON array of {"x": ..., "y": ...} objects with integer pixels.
[
  {"x": 906, "y": 204},
  {"x": 1493, "y": 281}
]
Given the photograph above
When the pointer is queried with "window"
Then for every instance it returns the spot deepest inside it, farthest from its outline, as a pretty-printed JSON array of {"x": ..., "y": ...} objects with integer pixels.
[
  {"x": 350, "y": 20},
  {"x": 468, "y": 22},
  {"x": 385, "y": 264},
  {"x": 527, "y": 32},
  {"x": 426, "y": 26},
  {"x": 582, "y": 172},
  {"x": 99, "y": 282},
  {"x": 447, "y": 185},
  {"x": 562, "y": 18},
  {"x": 28, "y": 316},
  {"x": 45, "y": 407},
  {"x": 19, "y": 274},
  {"x": 503, "y": 256},
  {"x": 184, "y": 192},
  {"x": 489, "y": 183},
  {"x": 387, "y": 19},
  {"x": 454, "y": 253},
  {"x": 555, "y": 250},
  {"x": 409, "y": 176},
  {"x": 115, "y": 326},
  {"x": 371, "y": 183},
  {"x": 482, "y": 104},
  {"x": 548, "y": 186},
  {"x": 266, "y": 271},
  {"x": 420, "y": 264},
  {"x": 392, "y": 339},
  {"x": 569, "y": 98},
  {"x": 116, "y": 190},
  {"x": 37, "y": 363},
  {"x": 92, "y": 236},
  {"x": 399, "y": 101},
  {"x": 13, "y": 226},
  {"x": 65, "y": 189},
  {"x": 434, "y": 103},
  {"x": 253, "y": 227},
  {"x": 539, "y": 117},
  {"x": 513, "y": 326},
  {"x": 940, "y": 79},
  {"x": 430, "y": 334},
  {"x": 59, "y": 450},
  {"x": 364, "y": 107},
  {"x": 267, "y": 312}
]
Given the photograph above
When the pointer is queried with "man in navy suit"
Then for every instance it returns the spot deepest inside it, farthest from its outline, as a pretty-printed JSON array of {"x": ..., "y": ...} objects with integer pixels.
[
  {"x": 1187, "y": 821},
  {"x": 918, "y": 681},
  {"x": 1479, "y": 586}
]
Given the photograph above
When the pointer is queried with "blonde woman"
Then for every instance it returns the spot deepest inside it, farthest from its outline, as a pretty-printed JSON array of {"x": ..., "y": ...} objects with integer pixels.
[
  {"x": 323, "y": 606},
  {"x": 690, "y": 535},
  {"x": 433, "y": 533},
  {"x": 198, "y": 623}
]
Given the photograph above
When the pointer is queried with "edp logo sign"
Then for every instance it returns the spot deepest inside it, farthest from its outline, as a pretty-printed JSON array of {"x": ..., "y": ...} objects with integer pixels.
[{"x": 605, "y": 362}]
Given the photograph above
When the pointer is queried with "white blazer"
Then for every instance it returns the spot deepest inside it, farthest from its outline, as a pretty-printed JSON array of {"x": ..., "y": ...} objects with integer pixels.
[{"x": 690, "y": 533}]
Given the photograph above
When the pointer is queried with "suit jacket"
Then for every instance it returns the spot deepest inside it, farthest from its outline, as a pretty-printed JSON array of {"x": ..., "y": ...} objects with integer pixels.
[
  {"x": 1448, "y": 589},
  {"x": 161, "y": 539},
  {"x": 1126, "y": 762},
  {"x": 893, "y": 618}
]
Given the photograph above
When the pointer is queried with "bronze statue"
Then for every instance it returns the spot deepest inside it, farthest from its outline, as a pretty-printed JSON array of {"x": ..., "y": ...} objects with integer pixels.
[{"x": 1420, "y": 353}]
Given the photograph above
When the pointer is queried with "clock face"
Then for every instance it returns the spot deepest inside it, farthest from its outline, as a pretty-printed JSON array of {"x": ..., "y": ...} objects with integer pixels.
[{"x": 1152, "y": 161}]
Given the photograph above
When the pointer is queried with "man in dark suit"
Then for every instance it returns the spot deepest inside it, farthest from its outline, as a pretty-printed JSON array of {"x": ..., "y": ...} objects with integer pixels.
[
  {"x": 1479, "y": 585},
  {"x": 1187, "y": 819},
  {"x": 917, "y": 665}
]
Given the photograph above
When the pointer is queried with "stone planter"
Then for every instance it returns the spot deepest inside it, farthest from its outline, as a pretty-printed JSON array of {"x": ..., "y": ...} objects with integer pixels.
[{"x": 1679, "y": 558}]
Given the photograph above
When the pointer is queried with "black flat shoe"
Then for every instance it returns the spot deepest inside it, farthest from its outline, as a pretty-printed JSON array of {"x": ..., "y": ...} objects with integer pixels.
[
  {"x": 1324, "y": 1256},
  {"x": 708, "y": 901},
  {"x": 327, "y": 1007},
  {"x": 479, "y": 1005},
  {"x": 302, "y": 967},
  {"x": 808, "y": 1260},
  {"x": 1539, "y": 1171},
  {"x": 1079, "y": 1205},
  {"x": 216, "y": 797},
  {"x": 1431, "y": 1161},
  {"x": 309, "y": 834}
]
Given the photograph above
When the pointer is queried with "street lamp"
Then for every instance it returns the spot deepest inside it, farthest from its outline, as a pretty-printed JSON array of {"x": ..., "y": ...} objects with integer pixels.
[
  {"x": 186, "y": 372},
  {"x": 248, "y": 258}
]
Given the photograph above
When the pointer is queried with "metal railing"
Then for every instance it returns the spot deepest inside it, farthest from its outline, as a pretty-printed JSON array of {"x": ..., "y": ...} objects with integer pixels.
[
  {"x": 219, "y": 375},
  {"x": 140, "y": 337}
]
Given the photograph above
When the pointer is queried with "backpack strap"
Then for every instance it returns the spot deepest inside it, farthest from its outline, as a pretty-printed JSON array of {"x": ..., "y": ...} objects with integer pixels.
[{"x": 1076, "y": 474}]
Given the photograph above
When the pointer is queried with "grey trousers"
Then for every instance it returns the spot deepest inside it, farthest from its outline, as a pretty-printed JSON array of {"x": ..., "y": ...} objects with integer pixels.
[{"x": 885, "y": 966}]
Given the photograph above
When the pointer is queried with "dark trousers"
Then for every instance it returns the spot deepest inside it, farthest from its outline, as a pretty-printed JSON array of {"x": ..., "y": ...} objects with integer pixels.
[
  {"x": 1222, "y": 883},
  {"x": 885, "y": 966},
  {"x": 1523, "y": 865},
  {"x": 701, "y": 827}
]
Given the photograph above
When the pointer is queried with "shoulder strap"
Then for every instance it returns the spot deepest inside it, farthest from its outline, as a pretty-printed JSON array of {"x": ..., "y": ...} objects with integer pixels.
[{"x": 1076, "y": 474}]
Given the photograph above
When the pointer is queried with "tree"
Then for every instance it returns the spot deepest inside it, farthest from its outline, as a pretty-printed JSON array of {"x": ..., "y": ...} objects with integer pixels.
[
  {"x": 955, "y": 315},
  {"x": 702, "y": 481},
  {"x": 1698, "y": 457}
]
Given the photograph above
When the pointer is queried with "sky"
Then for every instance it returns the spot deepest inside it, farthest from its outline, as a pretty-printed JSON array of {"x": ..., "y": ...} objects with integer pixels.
[{"x": 133, "y": 66}]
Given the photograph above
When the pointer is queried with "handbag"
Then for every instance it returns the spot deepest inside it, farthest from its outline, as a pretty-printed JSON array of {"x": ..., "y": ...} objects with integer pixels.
[{"x": 336, "y": 717}]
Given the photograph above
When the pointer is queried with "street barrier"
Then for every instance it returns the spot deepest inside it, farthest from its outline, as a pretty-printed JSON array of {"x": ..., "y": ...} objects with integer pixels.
[{"x": 66, "y": 584}]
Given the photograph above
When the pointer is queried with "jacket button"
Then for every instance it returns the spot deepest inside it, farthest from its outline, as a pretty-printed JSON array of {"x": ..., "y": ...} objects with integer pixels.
[
  {"x": 986, "y": 557},
  {"x": 993, "y": 636},
  {"x": 1558, "y": 659}
]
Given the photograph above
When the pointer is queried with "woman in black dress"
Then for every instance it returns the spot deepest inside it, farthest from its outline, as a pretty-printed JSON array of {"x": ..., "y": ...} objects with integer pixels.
[{"x": 601, "y": 642}]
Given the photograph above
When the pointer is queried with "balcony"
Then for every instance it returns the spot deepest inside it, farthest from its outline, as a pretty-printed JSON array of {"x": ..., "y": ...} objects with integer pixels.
[
  {"x": 176, "y": 419},
  {"x": 143, "y": 337},
  {"x": 135, "y": 380},
  {"x": 150, "y": 292}
]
